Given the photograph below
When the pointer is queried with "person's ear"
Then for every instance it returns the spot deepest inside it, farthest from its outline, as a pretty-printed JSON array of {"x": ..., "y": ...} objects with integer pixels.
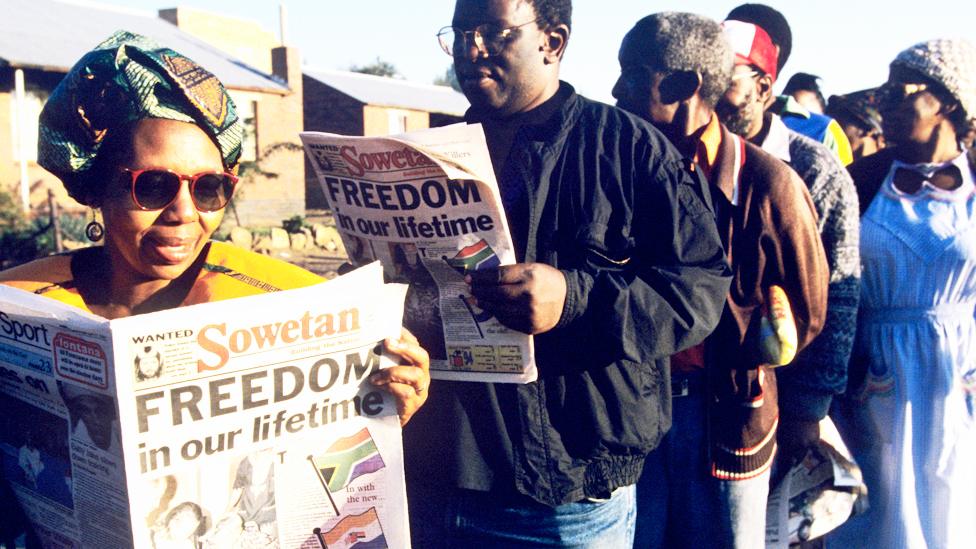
[
  {"x": 764, "y": 88},
  {"x": 679, "y": 86},
  {"x": 556, "y": 39}
]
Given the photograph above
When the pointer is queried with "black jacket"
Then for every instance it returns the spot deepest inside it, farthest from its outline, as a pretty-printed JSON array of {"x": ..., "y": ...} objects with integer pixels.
[{"x": 611, "y": 204}]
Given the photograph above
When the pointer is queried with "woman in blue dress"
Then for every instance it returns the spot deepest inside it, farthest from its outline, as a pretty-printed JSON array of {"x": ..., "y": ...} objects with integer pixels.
[{"x": 911, "y": 427}]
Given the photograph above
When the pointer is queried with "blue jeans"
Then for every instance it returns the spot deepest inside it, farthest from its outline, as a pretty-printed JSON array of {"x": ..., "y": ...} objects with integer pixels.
[
  {"x": 467, "y": 519},
  {"x": 743, "y": 511},
  {"x": 680, "y": 504}
]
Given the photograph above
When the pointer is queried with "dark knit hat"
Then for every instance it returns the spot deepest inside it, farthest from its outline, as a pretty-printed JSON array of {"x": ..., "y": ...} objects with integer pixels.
[{"x": 949, "y": 62}]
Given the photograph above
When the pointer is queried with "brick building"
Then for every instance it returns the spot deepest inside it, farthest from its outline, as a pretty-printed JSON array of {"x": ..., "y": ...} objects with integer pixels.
[
  {"x": 41, "y": 39},
  {"x": 350, "y": 103}
]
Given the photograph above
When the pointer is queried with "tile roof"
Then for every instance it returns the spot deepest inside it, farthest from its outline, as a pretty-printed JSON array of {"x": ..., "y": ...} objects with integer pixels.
[
  {"x": 392, "y": 92},
  {"x": 53, "y": 35}
]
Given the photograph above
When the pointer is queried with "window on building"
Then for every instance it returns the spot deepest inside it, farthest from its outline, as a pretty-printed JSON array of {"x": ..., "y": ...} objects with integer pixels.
[
  {"x": 24, "y": 117},
  {"x": 247, "y": 111},
  {"x": 398, "y": 121}
]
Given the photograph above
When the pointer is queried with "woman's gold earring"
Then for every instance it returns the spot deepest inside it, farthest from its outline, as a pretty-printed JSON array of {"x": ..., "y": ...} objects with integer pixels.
[{"x": 94, "y": 230}]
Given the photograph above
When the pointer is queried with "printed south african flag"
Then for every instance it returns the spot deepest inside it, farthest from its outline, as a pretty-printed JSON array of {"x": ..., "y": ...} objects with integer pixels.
[
  {"x": 346, "y": 459},
  {"x": 362, "y": 531},
  {"x": 474, "y": 257}
]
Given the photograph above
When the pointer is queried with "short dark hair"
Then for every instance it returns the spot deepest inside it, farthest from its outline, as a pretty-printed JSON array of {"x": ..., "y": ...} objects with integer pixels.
[
  {"x": 553, "y": 12},
  {"x": 806, "y": 82},
  {"x": 771, "y": 21},
  {"x": 802, "y": 81}
]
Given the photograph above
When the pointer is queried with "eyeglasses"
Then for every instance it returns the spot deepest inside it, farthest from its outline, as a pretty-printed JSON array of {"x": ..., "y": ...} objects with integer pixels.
[
  {"x": 157, "y": 188},
  {"x": 488, "y": 39},
  {"x": 898, "y": 92},
  {"x": 744, "y": 75}
]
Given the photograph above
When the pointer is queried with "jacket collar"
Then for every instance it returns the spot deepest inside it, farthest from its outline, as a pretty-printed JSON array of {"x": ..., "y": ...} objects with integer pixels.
[
  {"x": 726, "y": 173},
  {"x": 777, "y": 142},
  {"x": 787, "y": 105},
  {"x": 556, "y": 127},
  {"x": 708, "y": 139}
]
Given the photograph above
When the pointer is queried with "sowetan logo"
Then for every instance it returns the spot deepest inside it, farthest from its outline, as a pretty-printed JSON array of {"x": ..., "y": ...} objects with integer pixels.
[{"x": 223, "y": 343}]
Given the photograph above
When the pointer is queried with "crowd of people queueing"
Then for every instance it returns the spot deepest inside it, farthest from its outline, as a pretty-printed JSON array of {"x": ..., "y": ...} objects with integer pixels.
[{"x": 653, "y": 240}]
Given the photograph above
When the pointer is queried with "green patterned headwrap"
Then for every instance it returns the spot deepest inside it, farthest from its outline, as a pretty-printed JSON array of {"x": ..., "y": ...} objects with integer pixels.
[{"x": 125, "y": 79}]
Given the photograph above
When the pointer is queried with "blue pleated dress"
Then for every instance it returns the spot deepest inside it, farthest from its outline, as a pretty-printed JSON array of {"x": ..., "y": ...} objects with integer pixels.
[{"x": 916, "y": 429}]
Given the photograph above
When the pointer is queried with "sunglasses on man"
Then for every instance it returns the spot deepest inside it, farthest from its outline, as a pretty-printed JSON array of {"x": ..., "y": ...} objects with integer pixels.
[
  {"x": 157, "y": 188},
  {"x": 488, "y": 39}
]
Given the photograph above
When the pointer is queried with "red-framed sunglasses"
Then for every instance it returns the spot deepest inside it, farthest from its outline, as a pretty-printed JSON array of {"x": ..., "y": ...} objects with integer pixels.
[{"x": 157, "y": 188}]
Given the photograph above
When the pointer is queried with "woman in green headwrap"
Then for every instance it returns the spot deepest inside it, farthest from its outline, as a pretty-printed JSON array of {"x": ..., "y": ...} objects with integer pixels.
[{"x": 153, "y": 140}]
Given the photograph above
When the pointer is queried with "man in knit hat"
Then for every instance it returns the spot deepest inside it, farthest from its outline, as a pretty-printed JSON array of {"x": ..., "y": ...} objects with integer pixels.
[
  {"x": 707, "y": 484},
  {"x": 908, "y": 416}
]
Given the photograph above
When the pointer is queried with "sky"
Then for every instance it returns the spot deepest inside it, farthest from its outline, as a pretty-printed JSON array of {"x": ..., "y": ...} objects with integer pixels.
[{"x": 849, "y": 43}]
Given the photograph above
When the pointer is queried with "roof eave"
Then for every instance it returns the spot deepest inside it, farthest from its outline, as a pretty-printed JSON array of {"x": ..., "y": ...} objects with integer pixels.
[
  {"x": 404, "y": 107},
  {"x": 64, "y": 70}
]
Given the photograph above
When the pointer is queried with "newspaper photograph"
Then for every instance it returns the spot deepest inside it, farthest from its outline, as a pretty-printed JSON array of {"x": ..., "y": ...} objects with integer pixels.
[
  {"x": 244, "y": 423},
  {"x": 426, "y": 205}
]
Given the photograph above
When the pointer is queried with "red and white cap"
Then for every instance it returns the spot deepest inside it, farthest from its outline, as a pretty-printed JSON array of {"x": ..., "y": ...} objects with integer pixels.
[{"x": 752, "y": 46}]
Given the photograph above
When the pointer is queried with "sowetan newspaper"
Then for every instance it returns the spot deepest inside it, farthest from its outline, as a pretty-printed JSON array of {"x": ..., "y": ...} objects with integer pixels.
[
  {"x": 426, "y": 204},
  {"x": 241, "y": 423}
]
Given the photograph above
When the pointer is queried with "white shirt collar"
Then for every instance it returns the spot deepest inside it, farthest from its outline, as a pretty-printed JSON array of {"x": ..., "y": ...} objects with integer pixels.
[{"x": 777, "y": 142}]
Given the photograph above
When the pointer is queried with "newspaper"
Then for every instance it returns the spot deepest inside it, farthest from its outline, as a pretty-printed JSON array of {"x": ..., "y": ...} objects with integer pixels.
[
  {"x": 816, "y": 495},
  {"x": 426, "y": 204},
  {"x": 244, "y": 423}
]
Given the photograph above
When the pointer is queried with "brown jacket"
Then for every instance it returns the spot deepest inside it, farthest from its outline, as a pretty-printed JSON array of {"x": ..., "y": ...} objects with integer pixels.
[{"x": 768, "y": 227}]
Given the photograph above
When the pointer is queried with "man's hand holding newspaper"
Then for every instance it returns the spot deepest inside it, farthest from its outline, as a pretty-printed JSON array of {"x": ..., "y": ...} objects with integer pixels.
[{"x": 528, "y": 297}]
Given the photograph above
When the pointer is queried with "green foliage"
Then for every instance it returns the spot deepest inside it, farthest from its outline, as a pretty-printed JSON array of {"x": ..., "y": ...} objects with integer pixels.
[
  {"x": 22, "y": 240},
  {"x": 377, "y": 68},
  {"x": 73, "y": 227},
  {"x": 10, "y": 213},
  {"x": 18, "y": 242},
  {"x": 294, "y": 224},
  {"x": 15, "y": 244}
]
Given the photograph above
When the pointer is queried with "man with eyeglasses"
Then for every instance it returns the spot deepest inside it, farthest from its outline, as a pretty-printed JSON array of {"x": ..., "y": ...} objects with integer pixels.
[
  {"x": 808, "y": 386},
  {"x": 620, "y": 266},
  {"x": 706, "y": 485},
  {"x": 819, "y": 127}
]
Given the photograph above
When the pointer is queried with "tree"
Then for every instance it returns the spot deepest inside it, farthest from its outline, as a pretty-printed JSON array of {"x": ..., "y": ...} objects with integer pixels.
[
  {"x": 377, "y": 68},
  {"x": 448, "y": 79}
]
